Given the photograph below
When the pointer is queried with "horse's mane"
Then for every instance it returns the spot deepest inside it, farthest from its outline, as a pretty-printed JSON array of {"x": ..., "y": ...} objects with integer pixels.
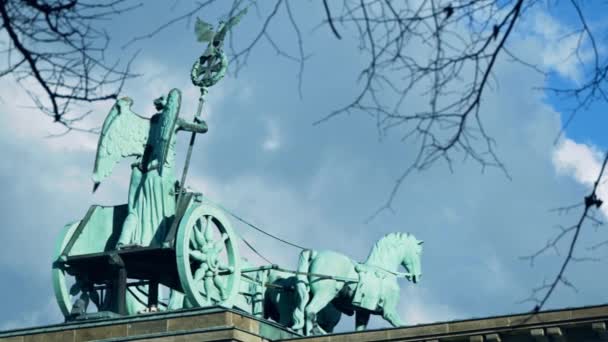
[{"x": 389, "y": 244}]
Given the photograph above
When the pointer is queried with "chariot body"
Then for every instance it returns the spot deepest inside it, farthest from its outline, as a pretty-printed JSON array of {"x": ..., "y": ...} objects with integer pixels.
[{"x": 199, "y": 271}]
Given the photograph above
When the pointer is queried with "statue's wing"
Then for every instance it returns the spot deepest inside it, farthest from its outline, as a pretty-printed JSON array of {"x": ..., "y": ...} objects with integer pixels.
[
  {"x": 168, "y": 122},
  {"x": 204, "y": 31},
  {"x": 236, "y": 19},
  {"x": 124, "y": 134},
  {"x": 229, "y": 24}
]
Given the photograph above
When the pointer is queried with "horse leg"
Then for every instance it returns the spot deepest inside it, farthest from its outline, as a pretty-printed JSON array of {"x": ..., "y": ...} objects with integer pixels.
[
  {"x": 361, "y": 319},
  {"x": 393, "y": 318},
  {"x": 390, "y": 314},
  {"x": 322, "y": 296},
  {"x": 389, "y": 309},
  {"x": 329, "y": 317}
]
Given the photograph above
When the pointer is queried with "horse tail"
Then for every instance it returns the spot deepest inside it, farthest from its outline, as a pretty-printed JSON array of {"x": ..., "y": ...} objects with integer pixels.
[{"x": 302, "y": 288}]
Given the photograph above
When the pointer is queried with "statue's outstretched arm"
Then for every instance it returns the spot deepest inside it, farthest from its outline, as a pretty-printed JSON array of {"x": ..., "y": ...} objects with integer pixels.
[{"x": 198, "y": 126}]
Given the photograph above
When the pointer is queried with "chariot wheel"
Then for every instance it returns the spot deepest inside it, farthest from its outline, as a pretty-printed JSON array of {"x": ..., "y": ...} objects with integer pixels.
[
  {"x": 208, "y": 261},
  {"x": 67, "y": 289}
]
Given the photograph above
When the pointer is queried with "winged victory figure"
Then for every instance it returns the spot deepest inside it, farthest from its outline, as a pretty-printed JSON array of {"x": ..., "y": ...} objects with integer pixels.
[{"x": 152, "y": 189}]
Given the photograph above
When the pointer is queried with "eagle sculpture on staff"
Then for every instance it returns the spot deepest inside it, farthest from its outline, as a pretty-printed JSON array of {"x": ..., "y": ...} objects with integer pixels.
[{"x": 211, "y": 66}]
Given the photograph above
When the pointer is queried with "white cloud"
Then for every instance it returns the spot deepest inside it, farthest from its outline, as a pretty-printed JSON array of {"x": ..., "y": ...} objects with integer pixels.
[
  {"x": 28, "y": 125},
  {"x": 560, "y": 45},
  {"x": 417, "y": 306},
  {"x": 272, "y": 141},
  {"x": 418, "y": 310},
  {"x": 582, "y": 162},
  {"x": 579, "y": 160},
  {"x": 498, "y": 279}
]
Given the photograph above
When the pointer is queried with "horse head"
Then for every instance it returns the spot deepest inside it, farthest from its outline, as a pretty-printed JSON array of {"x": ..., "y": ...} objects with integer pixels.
[
  {"x": 397, "y": 249},
  {"x": 412, "y": 255}
]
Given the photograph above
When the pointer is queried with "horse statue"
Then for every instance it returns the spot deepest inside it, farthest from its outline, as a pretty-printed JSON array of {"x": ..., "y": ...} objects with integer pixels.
[{"x": 328, "y": 277}]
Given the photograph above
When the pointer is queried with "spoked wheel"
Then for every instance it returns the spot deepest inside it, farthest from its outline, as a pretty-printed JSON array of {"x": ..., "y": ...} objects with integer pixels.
[
  {"x": 208, "y": 261},
  {"x": 68, "y": 289}
]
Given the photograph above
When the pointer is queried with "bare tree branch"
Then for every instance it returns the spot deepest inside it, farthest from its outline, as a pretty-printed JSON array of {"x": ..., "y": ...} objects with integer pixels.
[
  {"x": 183, "y": 17},
  {"x": 452, "y": 124},
  {"x": 330, "y": 20},
  {"x": 591, "y": 201},
  {"x": 62, "y": 51},
  {"x": 594, "y": 88}
]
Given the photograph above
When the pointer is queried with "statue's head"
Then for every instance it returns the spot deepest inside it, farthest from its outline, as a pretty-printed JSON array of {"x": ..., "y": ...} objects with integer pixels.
[
  {"x": 412, "y": 258},
  {"x": 160, "y": 103}
]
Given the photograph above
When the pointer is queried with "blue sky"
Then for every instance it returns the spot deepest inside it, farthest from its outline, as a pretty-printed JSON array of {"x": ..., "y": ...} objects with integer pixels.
[{"x": 316, "y": 185}]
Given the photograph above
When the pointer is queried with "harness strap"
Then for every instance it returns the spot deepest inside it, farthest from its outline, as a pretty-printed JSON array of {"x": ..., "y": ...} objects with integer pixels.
[{"x": 396, "y": 274}]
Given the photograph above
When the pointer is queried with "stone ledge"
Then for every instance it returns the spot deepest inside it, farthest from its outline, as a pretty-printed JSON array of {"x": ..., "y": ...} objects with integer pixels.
[
  {"x": 157, "y": 327},
  {"x": 220, "y": 324},
  {"x": 572, "y": 320}
]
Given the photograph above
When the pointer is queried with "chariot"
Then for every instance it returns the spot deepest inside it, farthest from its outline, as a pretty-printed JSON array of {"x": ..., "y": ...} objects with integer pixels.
[{"x": 198, "y": 260}]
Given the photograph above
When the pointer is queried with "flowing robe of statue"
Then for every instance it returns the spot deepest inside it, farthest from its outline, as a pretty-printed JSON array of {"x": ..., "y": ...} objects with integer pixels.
[{"x": 152, "y": 190}]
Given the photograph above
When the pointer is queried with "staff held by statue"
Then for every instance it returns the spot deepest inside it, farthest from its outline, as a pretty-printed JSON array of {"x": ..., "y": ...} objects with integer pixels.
[{"x": 207, "y": 70}]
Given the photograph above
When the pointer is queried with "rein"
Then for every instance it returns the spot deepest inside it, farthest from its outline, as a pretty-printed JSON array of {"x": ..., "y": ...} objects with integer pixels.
[{"x": 396, "y": 274}]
